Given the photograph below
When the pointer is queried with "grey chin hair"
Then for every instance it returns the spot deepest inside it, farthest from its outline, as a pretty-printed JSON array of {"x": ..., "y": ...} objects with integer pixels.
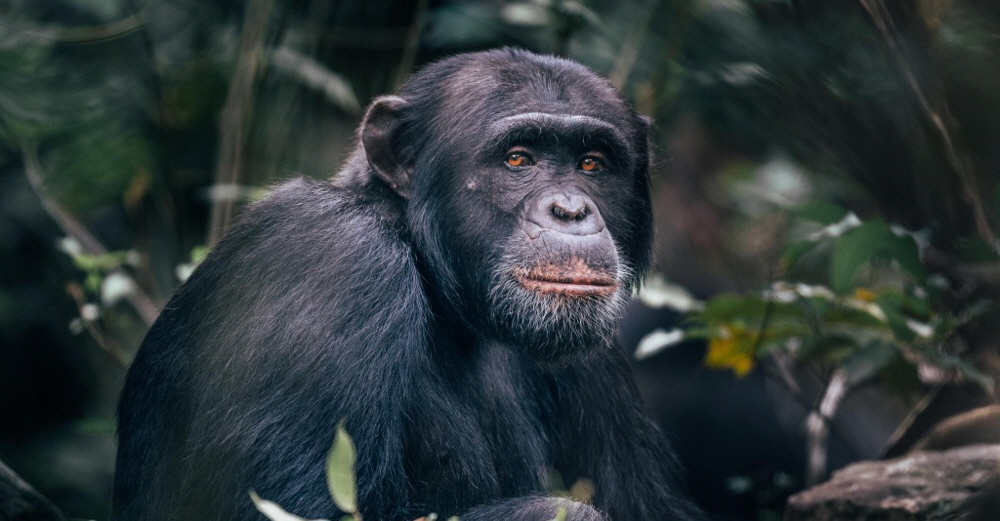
[{"x": 559, "y": 325}]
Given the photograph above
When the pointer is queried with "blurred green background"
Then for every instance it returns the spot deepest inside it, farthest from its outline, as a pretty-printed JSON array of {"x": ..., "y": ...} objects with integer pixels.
[{"x": 826, "y": 188}]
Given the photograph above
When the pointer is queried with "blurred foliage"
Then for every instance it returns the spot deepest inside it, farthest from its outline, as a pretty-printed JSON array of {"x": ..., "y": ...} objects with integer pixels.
[
  {"x": 878, "y": 315},
  {"x": 94, "y": 166},
  {"x": 868, "y": 118},
  {"x": 828, "y": 190}
]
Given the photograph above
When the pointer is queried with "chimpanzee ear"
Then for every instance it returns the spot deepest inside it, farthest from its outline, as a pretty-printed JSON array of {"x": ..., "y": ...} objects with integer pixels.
[{"x": 381, "y": 122}]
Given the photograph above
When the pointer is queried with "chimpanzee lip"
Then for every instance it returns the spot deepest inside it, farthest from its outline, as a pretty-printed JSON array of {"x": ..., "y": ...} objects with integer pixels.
[
  {"x": 572, "y": 279},
  {"x": 570, "y": 289}
]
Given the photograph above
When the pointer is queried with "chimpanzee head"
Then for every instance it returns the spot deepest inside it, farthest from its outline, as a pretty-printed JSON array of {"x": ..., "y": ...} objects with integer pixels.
[{"x": 523, "y": 182}]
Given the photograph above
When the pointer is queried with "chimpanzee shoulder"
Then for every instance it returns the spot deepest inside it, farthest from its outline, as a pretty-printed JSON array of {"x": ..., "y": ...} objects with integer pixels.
[{"x": 285, "y": 316}]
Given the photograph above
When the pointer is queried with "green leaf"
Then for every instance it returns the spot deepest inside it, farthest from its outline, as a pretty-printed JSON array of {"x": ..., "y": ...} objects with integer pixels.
[
  {"x": 871, "y": 239},
  {"x": 199, "y": 253},
  {"x": 821, "y": 212},
  {"x": 340, "y": 471},
  {"x": 867, "y": 361},
  {"x": 831, "y": 346},
  {"x": 917, "y": 306},
  {"x": 892, "y": 306},
  {"x": 731, "y": 307},
  {"x": 794, "y": 251},
  {"x": 560, "y": 514},
  {"x": 851, "y": 250},
  {"x": 852, "y": 317},
  {"x": 106, "y": 261},
  {"x": 900, "y": 376},
  {"x": 975, "y": 249},
  {"x": 93, "y": 281}
]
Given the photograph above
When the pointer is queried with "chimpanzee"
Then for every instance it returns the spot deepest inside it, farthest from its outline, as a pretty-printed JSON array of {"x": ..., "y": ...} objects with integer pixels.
[{"x": 452, "y": 294}]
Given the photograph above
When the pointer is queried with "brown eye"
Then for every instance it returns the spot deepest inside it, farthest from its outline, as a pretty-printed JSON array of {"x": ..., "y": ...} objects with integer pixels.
[
  {"x": 590, "y": 164},
  {"x": 518, "y": 159}
]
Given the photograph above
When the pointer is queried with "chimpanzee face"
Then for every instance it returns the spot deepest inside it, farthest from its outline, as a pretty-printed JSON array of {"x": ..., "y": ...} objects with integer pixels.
[
  {"x": 557, "y": 277},
  {"x": 529, "y": 204}
]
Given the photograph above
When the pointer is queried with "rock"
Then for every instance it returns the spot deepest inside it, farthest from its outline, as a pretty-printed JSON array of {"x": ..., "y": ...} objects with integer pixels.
[
  {"x": 957, "y": 484},
  {"x": 981, "y": 425}
]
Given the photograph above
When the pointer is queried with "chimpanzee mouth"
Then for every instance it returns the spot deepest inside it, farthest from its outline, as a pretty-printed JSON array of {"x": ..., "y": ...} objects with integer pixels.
[{"x": 573, "y": 279}]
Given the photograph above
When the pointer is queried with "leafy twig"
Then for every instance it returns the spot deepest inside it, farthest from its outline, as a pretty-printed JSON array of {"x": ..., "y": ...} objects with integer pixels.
[
  {"x": 138, "y": 298},
  {"x": 106, "y": 343}
]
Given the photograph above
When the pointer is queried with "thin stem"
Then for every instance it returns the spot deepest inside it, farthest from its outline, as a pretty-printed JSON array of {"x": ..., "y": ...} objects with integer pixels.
[
  {"x": 817, "y": 428},
  {"x": 234, "y": 122}
]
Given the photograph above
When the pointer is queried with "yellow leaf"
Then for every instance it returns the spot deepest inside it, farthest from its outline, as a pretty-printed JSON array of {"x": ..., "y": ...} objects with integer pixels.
[
  {"x": 865, "y": 294},
  {"x": 732, "y": 348}
]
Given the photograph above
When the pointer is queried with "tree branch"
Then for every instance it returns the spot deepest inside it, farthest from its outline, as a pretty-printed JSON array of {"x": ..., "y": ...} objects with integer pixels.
[
  {"x": 817, "y": 429},
  {"x": 138, "y": 298},
  {"x": 960, "y": 164}
]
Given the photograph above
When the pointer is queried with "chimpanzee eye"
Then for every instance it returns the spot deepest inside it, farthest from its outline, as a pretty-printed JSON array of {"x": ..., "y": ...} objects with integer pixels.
[
  {"x": 517, "y": 158},
  {"x": 591, "y": 164}
]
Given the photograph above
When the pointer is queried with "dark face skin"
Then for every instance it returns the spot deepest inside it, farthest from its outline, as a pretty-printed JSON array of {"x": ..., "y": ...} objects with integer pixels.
[{"x": 545, "y": 201}]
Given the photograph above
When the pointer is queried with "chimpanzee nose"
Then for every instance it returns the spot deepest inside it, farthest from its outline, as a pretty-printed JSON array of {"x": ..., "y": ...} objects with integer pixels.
[
  {"x": 569, "y": 208},
  {"x": 570, "y": 213}
]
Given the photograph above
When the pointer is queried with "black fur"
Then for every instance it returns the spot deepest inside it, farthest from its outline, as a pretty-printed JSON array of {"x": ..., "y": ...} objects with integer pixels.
[{"x": 387, "y": 298}]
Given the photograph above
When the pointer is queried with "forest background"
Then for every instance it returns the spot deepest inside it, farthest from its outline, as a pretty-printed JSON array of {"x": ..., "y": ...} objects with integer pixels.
[{"x": 826, "y": 188}]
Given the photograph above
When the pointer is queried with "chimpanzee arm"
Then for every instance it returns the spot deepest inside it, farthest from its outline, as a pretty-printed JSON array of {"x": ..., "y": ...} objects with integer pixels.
[
  {"x": 604, "y": 435},
  {"x": 309, "y": 311}
]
